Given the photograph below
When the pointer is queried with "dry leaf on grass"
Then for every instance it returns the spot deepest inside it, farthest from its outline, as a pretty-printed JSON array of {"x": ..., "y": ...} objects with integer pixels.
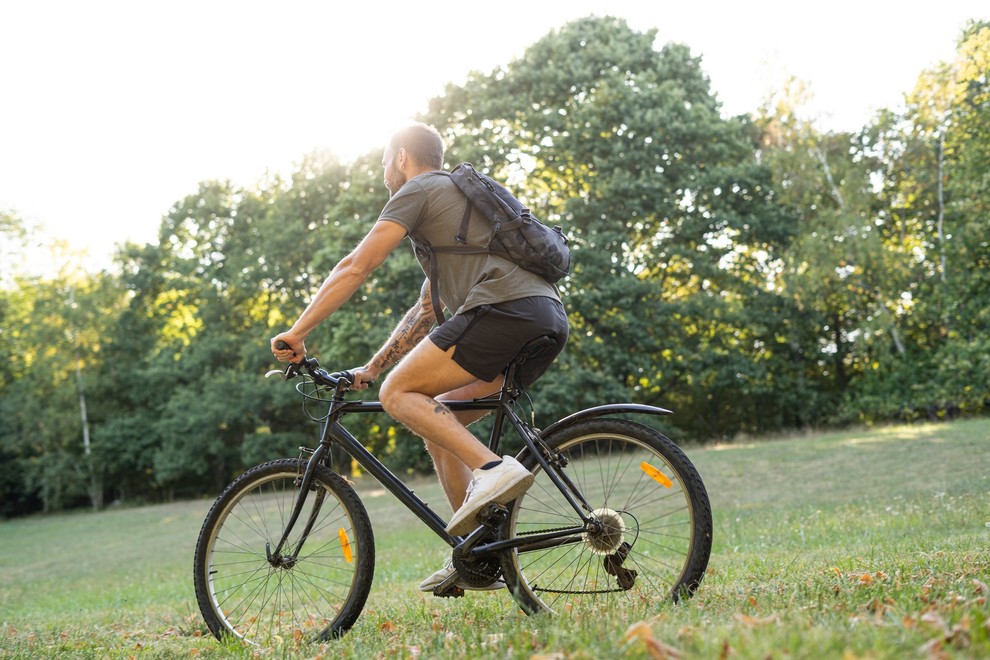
[
  {"x": 654, "y": 647},
  {"x": 755, "y": 621}
]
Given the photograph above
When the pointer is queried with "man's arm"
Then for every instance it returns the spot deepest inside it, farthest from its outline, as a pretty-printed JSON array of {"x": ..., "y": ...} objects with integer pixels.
[
  {"x": 413, "y": 328},
  {"x": 346, "y": 277}
]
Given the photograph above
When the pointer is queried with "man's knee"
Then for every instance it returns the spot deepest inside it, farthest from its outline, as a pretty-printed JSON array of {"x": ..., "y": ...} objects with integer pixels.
[{"x": 390, "y": 394}]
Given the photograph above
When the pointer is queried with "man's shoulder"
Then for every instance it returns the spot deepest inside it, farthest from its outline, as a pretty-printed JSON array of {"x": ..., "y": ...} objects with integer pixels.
[
  {"x": 436, "y": 181},
  {"x": 429, "y": 184}
]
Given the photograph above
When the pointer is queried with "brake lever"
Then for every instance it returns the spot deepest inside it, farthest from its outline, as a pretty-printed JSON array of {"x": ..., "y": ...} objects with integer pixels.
[{"x": 291, "y": 371}]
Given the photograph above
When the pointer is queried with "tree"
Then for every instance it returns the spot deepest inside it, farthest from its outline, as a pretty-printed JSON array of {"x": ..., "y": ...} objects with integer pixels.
[
  {"x": 669, "y": 214},
  {"x": 933, "y": 163}
]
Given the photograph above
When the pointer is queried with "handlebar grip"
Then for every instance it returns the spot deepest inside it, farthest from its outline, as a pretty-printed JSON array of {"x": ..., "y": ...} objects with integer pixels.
[{"x": 346, "y": 375}]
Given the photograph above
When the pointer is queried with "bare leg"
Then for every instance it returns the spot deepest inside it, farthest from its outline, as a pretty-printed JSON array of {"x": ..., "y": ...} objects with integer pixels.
[
  {"x": 453, "y": 473},
  {"x": 410, "y": 394}
]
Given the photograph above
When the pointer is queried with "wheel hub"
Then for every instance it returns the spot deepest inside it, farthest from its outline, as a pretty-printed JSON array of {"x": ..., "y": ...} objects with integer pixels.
[{"x": 608, "y": 534}]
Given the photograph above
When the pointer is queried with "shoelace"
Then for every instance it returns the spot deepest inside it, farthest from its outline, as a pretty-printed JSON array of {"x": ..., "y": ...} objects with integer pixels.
[{"x": 470, "y": 489}]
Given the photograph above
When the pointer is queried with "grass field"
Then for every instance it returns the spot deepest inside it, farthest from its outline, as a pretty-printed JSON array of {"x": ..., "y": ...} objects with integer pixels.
[{"x": 861, "y": 544}]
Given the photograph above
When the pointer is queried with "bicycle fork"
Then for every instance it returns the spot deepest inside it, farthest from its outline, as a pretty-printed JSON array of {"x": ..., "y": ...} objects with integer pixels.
[{"x": 275, "y": 558}]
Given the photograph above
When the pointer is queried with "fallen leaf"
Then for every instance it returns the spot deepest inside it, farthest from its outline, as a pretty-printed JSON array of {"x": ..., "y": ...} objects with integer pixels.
[
  {"x": 753, "y": 621},
  {"x": 656, "y": 649},
  {"x": 935, "y": 620}
]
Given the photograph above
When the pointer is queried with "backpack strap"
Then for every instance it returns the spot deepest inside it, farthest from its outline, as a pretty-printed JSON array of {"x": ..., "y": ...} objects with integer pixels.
[
  {"x": 434, "y": 293},
  {"x": 434, "y": 269},
  {"x": 465, "y": 221}
]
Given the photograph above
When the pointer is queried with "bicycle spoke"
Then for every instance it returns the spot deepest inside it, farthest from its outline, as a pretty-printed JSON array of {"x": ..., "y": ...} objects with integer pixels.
[
  {"x": 643, "y": 549},
  {"x": 309, "y": 586}
]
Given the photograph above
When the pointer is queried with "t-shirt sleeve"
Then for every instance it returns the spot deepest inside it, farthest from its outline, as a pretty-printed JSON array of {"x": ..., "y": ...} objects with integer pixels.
[{"x": 406, "y": 207}]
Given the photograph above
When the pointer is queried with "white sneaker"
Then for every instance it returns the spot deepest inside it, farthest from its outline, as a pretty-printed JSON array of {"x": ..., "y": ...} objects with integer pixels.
[
  {"x": 501, "y": 484},
  {"x": 430, "y": 583}
]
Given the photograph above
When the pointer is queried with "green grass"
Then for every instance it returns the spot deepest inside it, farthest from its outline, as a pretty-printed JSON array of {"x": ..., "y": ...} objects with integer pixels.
[{"x": 863, "y": 544}]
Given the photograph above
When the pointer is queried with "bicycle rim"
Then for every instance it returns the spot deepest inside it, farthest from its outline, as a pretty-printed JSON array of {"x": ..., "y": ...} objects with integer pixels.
[
  {"x": 654, "y": 537},
  {"x": 313, "y": 593}
]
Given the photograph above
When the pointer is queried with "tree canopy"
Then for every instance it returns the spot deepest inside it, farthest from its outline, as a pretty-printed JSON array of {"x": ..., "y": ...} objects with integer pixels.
[{"x": 751, "y": 273}]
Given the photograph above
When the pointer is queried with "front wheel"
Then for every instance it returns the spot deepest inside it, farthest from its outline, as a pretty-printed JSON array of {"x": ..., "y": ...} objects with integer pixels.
[
  {"x": 651, "y": 531},
  {"x": 314, "y": 588}
]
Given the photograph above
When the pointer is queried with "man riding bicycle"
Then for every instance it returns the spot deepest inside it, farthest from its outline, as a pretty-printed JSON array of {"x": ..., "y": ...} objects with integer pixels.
[{"x": 497, "y": 306}]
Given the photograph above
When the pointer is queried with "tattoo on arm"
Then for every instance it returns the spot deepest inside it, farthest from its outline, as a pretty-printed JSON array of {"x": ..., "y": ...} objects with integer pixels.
[{"x": 415, "y": 325}]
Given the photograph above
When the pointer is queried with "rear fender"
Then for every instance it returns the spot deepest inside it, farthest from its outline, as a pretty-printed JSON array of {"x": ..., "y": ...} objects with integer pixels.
[{"x": 603, "y": 411}]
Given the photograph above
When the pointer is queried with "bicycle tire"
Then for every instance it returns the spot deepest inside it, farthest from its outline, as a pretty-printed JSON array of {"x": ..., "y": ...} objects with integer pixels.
[
  {"x": 317, "y": 595},
  {"x": 648, "y": 496}
]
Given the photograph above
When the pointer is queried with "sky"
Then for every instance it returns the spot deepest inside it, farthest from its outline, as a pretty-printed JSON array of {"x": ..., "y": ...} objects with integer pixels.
[{"x": 111, "y": 111}]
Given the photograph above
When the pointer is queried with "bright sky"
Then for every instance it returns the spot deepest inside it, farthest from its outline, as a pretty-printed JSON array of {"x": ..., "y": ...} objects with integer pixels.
[{"x": 111, "y": 111}]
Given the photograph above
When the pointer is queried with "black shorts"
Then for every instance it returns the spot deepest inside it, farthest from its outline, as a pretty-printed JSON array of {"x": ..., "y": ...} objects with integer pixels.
[{"x": 487, "y": 338}]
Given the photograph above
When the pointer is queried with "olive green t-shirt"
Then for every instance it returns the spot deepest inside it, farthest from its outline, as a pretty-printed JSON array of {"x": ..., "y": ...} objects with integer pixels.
[{"x": 430, "y": 208}]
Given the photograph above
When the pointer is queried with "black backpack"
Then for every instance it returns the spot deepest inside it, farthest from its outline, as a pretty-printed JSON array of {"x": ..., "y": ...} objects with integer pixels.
[{"x": 518, "y": 237}]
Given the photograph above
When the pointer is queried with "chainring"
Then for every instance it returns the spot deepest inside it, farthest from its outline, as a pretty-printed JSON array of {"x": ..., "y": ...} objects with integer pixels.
[{"x": 478, "y": 572}]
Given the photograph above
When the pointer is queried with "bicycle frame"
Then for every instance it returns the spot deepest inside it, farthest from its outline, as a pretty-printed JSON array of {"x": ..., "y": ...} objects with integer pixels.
[{"x": 334, "y": 432}]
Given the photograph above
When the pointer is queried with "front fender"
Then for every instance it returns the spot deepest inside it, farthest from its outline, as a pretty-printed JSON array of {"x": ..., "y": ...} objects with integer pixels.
[{"x": 601, "y": 411}]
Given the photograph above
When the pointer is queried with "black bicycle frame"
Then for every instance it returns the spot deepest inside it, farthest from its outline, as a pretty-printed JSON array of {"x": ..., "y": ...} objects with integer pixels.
[{"x": 334, "y": 432}]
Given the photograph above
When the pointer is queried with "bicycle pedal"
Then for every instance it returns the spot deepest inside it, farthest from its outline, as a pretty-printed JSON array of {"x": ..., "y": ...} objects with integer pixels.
[
  {"x": 492, "y": 515},
  {"x": 452, "y": 591},
  {"x": 448, "y": 588}
]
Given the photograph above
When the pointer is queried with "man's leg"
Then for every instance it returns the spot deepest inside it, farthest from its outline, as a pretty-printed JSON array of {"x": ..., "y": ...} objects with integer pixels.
[
  {"x": 453, "y": 473},
  {"x": 409, "y": 394}
]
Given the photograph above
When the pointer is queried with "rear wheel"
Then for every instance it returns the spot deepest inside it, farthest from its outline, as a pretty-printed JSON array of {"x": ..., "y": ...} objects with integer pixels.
[
  {"x": 652, "y": 532},
  {"x": 315, "y": 591}
]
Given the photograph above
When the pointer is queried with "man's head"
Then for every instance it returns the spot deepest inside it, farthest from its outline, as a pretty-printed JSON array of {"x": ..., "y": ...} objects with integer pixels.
[{"x": 414, "y": 149}]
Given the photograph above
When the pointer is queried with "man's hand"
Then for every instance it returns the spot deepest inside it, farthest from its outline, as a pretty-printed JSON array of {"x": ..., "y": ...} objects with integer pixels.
[
  {"x": 295, "y": 352},
  {"x": 363, "y": 377}
]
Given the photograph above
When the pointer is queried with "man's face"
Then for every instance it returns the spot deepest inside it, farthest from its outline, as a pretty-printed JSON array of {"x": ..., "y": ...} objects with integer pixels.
[{"x": 394, "y": 178}]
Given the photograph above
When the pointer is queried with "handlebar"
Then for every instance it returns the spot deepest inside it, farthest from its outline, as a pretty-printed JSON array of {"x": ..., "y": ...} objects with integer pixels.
[{"x": 338, "y": 380}]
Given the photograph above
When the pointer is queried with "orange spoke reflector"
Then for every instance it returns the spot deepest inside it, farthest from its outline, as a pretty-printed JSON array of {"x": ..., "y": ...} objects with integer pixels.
[
  {"x": 345, "y": 545},
  {"x": 656, "y": 475}
]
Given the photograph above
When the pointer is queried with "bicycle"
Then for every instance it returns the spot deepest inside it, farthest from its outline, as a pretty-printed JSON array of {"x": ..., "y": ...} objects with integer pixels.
[{"x": 617, "y": 514}]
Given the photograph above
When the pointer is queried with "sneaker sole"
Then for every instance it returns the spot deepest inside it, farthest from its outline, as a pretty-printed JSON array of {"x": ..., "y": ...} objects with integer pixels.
[{"x": 494, "y": 586}]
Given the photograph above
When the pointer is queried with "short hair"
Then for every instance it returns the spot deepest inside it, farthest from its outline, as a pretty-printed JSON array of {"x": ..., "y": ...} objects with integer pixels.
[{"x": 422, "y": 142}]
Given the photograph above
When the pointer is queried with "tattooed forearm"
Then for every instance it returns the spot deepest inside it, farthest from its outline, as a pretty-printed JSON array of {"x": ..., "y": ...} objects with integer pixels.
[
  {"x": 415, "y": 325},
  {"x": 409, "y": 333}
]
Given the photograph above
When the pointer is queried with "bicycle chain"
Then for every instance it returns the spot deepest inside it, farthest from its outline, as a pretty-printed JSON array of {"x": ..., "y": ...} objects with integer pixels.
[{"x": 545, "y": 531}]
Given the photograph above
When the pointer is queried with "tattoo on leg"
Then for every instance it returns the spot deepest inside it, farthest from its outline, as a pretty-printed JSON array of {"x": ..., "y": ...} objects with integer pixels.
[{"x": 439, "y": 408}]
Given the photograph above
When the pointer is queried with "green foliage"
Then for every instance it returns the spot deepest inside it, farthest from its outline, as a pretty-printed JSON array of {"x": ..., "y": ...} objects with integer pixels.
[
  {"x": 670, "y": 215},
  {"x": 752, "y": 274}
]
